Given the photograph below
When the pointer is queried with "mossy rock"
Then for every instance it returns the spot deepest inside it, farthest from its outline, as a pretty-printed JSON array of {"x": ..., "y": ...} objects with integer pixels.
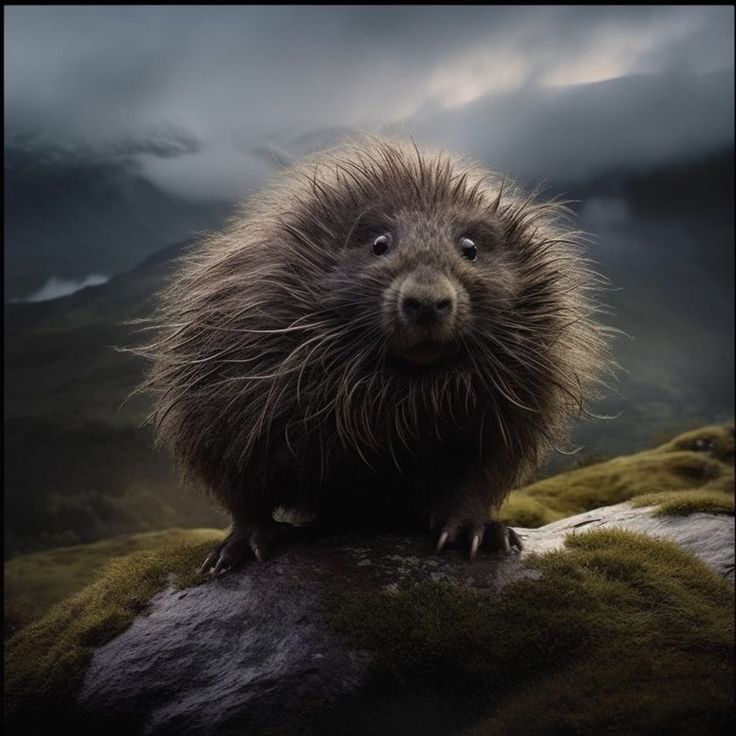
[
  {"x": 616, "y": 632},
  {"x": 34, "y": 582},
  {"x": 704, "y": 500}
]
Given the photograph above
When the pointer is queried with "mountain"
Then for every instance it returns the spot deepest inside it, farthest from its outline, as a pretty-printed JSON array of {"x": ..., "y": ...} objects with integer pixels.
[
  {"x": 71, "y": 213},
  {"x": 664, "y": 238}
]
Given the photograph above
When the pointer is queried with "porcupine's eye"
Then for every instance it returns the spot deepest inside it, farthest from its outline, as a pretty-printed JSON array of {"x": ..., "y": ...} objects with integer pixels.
[
  {"x": 381, "y": 244},
  {"x": 468, "y": 249}
]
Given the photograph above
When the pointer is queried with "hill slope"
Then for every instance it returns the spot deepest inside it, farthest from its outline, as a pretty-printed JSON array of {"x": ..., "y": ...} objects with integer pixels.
[
  {"x": 78, "y": 465},
  {"x": 69, "y": 214}
]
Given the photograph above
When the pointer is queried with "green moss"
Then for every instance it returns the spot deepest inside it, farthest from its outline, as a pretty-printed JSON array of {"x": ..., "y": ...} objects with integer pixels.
[
  {"x": 620, "y": 633},
  {"x": 688, "y": 502},
  {"x": 34, "y": 582},
  {"x": 418, "y": 633},
  {"x": 45, "y": 661},
  {"x": 698, "y": 459}
]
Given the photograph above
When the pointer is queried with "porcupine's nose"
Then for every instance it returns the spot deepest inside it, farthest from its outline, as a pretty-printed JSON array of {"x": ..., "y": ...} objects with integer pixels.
[
  {"x": 427, "y": 302},
  {"x": 425, "y": 310}
]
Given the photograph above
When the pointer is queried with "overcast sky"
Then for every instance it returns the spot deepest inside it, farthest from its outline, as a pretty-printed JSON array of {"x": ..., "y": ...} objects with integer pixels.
[{"x": 200, "y": 96}]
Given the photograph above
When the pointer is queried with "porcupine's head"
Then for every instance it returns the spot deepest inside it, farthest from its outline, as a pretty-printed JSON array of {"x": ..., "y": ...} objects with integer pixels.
[{"x": 374, "y": 295}]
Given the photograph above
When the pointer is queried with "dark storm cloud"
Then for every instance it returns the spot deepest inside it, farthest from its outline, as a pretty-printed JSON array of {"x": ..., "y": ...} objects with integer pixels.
[
  {"x": 529, "y": 88},
  {"x": 635, "y": 122}
]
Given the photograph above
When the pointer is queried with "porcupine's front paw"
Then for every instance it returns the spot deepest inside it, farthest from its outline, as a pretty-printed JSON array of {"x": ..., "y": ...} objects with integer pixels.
[
  {"x": 493, "y": 536},
  {"x": 243, "y": 544}
]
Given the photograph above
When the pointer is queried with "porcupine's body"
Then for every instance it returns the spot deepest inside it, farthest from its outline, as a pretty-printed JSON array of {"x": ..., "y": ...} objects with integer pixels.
[{"x": 384, "y": 333}]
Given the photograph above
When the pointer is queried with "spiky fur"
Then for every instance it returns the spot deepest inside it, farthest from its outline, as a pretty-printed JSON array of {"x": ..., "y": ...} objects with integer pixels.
[{"x": 270, "y": 370}]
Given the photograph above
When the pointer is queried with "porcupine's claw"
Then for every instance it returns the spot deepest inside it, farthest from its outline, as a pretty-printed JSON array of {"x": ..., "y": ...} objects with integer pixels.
[
  {"x": 240, "y": 546},
  {"x": 441, "y": 542},
  {"x": 474, "y": 544},
  {"x": 502, "y": 537},
  {"x": 493, "y": 536}
]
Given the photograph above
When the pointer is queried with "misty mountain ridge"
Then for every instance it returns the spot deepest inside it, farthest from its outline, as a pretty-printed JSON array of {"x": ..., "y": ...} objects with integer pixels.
[
  {"x": 77, "y": 209},
  {"x": 69, "y": 214}
]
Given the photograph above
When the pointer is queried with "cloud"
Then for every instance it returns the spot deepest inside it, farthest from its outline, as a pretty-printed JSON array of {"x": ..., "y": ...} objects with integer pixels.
[
  {"x": 194, "y": 91},
  {"x": 220, "y": 172},
  {"x": 580, "y": 131},
  {"x": 56, "y": 287}
]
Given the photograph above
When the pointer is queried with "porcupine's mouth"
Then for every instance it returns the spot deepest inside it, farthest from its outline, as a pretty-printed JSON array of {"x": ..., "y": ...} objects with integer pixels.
[{"x": 426, "y": 353}]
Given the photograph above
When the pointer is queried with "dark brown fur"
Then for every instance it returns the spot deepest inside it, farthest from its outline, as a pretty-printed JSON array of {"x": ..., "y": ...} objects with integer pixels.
[{"x": 277, "y": 368}]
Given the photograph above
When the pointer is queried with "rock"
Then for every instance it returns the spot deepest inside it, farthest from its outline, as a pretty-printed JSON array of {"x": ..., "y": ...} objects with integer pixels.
[
  {"x": 253, "y": 651},
  {"x": 708, "y": 536}
]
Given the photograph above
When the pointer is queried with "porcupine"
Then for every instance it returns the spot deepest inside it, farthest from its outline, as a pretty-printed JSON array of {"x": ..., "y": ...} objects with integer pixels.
[{"x": 385, "y": 335}]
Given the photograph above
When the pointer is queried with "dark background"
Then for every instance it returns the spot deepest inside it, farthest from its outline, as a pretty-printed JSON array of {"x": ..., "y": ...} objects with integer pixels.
[{"x": 131, "y": 129}]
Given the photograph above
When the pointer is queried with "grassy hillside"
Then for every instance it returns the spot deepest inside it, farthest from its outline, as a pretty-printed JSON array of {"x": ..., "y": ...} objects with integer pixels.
[
  {"x": 35, "y": 582},
  {"x": 92, "y": 617},
  {"x": 700, "y": 459}
]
